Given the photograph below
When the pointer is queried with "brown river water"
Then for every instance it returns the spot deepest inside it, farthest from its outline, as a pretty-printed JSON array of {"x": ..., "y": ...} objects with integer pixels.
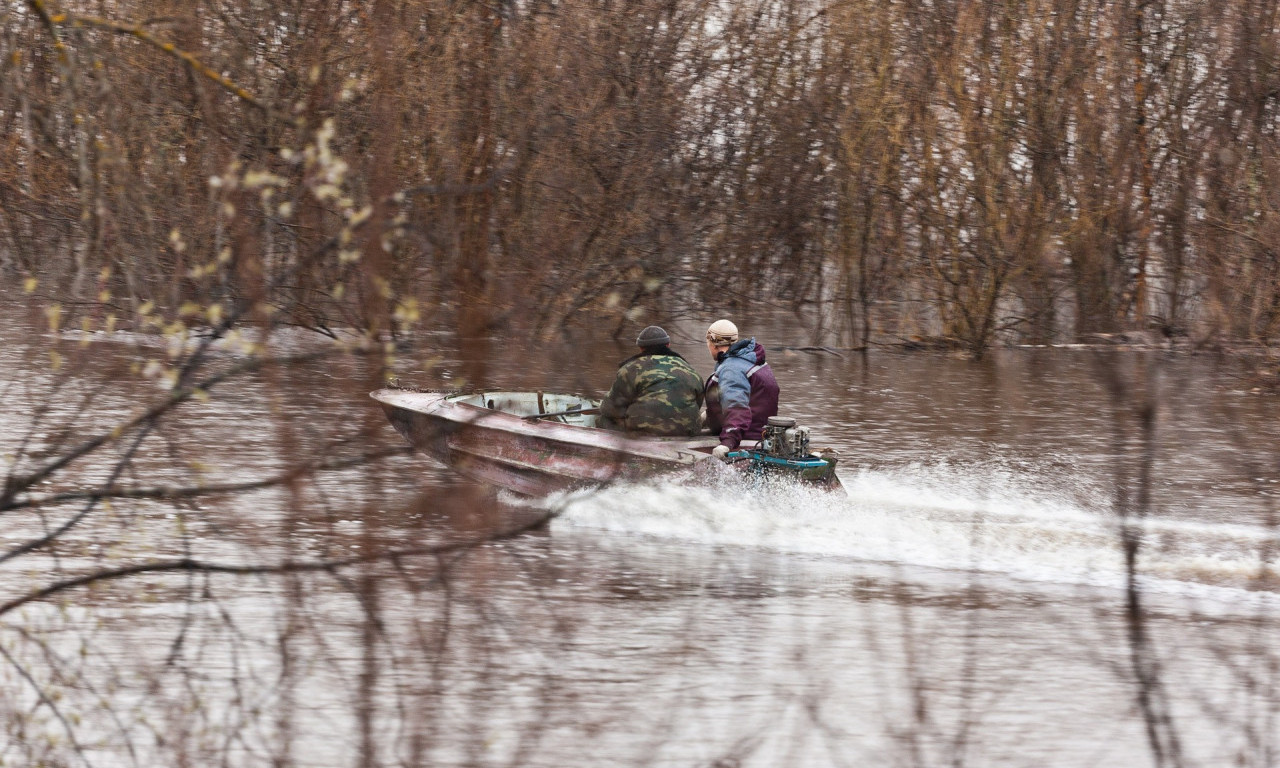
[{"x": 965, "y": 602}]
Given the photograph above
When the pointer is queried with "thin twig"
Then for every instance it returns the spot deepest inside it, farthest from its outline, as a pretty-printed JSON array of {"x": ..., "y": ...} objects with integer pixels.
[{"x": 187, "y": 565}]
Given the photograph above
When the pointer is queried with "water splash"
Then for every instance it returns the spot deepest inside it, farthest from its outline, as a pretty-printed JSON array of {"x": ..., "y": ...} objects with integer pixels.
[{"x": 993, "y": 519}]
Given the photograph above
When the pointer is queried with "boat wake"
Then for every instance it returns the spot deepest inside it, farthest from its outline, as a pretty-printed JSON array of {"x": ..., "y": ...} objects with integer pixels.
[{"x": 994, "y": 521}]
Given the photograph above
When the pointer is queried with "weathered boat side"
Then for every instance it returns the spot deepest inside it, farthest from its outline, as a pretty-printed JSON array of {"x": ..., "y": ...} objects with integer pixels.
[{"x": 530, "y": 457}]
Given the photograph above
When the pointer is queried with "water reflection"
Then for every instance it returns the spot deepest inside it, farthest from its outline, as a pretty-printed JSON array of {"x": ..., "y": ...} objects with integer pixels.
[{"x": 965, "y": 603}]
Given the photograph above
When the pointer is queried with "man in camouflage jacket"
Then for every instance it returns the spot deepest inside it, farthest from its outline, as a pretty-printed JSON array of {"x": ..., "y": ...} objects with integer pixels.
[{"x": 655, "y": 392}]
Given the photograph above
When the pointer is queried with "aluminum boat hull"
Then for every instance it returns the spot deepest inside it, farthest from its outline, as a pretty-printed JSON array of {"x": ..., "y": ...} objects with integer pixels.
[{"x": 485, "y": 436}]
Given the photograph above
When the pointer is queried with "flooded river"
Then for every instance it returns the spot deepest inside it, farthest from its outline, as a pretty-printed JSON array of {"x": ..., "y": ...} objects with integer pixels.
[{"x": 967, "y": 602}]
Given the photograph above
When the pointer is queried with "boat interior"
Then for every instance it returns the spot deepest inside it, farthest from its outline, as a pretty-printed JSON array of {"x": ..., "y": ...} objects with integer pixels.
[{"x": 563, "y": 408}]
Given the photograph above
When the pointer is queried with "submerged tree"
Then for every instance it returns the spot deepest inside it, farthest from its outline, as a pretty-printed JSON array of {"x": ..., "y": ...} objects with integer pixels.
[{"x": 259, "y": 193}]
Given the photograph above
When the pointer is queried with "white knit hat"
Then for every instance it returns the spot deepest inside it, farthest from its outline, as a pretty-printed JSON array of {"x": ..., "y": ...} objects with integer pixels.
[{"x": 722, "y": 333}]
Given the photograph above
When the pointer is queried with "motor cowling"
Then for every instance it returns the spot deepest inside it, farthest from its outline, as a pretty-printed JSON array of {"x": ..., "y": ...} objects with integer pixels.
[
  {"x": 783, "y": 451},
  {"x": 782, "y": 438}
]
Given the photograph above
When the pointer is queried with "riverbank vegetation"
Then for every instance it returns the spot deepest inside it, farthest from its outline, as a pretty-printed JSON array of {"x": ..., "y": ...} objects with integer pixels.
[
  {"x": 218, "y": 175},
  {"x": 969, "y": 173}
]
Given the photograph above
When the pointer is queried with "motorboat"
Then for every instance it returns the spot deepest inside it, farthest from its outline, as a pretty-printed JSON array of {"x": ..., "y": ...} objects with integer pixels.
[{"x": 535, "y": 443}]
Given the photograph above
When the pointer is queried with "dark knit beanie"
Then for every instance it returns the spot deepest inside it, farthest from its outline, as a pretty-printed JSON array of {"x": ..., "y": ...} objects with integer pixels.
[{"x": 653, "y": 336}]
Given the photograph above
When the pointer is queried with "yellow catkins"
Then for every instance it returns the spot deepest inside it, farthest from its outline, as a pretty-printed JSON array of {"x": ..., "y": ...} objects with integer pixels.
[
  {"x": 407, "y": 311},
  {"x": 255, "y": 179},
  {"x": 359, "y": 216}
]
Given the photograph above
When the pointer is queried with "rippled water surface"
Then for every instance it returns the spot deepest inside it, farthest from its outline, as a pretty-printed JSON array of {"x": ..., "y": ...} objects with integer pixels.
[{"x": 968, "y": 601}]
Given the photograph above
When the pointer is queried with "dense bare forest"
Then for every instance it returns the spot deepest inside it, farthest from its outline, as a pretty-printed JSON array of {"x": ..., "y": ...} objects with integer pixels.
[
  {"x": 218, "y": 571},
  {"x": 963, "y": 172}
]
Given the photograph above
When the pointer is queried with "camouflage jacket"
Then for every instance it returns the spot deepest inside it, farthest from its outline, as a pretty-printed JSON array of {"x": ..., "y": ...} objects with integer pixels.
[{"x": 656, "y": 392}]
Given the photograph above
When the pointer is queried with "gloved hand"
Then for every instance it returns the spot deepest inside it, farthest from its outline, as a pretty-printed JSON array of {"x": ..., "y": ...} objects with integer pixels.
[{"x": 721, "y": 452}]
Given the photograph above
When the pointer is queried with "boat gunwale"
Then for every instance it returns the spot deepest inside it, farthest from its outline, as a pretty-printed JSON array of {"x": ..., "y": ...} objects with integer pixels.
[{"x": 655, "y": 447}]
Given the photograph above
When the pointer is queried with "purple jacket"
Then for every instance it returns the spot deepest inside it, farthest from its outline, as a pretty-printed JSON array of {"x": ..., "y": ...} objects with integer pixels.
[{"x": 741, "y": 395}]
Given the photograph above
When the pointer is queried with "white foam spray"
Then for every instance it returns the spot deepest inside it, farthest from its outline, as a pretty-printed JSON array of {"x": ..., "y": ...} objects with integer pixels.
[{"x": 944, "y": 518}]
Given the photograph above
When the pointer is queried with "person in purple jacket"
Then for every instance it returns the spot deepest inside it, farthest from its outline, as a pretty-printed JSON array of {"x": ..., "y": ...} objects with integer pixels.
[{"x": 742, "y": 393}]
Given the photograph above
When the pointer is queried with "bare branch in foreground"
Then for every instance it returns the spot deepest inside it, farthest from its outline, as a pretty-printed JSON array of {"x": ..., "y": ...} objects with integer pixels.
[
  {"x": 188, "y": 565},
  {"x": 174, "y": 492}
]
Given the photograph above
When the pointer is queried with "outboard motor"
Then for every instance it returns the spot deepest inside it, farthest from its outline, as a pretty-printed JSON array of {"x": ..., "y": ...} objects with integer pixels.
[
  {"x": 783, "y": 451},
  {"x": 782, "y": 438}
]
